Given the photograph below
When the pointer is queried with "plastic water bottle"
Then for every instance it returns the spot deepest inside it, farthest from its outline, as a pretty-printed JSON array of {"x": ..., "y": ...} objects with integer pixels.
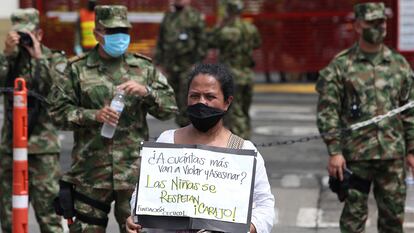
[
  {"x": 118, "y": 105},
  {"x": 409, "y": 201}
]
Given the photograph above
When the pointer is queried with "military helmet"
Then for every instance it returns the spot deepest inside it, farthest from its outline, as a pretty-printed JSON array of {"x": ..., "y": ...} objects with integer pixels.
[
  {"x": 370, "y": 11},
  {"x": 234, "y": 6},
  {"x": 25, "y": 19},
  {"x": 112, "y": 16}
]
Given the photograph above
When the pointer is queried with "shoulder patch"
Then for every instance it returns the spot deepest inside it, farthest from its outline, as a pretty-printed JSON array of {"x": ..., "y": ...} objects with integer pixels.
[
  {"x": 143, "y": 57},
  {"x": 77, "y": 58},
  {"x": 60, "y": 67}
]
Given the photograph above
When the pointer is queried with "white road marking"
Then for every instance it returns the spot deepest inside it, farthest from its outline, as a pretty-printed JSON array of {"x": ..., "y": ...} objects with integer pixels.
[
  {"x": 313, "y": 217},
  {"x": 282, "y": 108},
  {"x": 286, "y": 130},
  {"x": 277, "y": 112},
  {"x": 307, "y": 217},
  {"x": 290, "y": 181}
]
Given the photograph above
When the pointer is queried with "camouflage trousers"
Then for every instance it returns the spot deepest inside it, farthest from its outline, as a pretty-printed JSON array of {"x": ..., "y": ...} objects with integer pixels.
[
  {"x": 44, "y": 173},
  {"x": 122, "y": 208},
  {"x": 388, "y": 180},
  {"x": 238, "y": 119},
  {"x": 178, "y": 81}
]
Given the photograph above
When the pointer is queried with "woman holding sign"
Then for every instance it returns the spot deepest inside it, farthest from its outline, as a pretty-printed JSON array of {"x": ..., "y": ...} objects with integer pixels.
[{"x": 210, "y": 93}]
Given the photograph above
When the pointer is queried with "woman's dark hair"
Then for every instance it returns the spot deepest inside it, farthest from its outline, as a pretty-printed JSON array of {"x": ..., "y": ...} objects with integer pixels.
[{"x": 219, "y": 72}]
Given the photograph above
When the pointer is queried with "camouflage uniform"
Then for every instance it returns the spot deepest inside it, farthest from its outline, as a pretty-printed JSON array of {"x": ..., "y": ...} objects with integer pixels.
[
  {"x": 236, "y": 39},
  {"x": 180, "y": 45},
  {"x": 43, "y": 145},
  {"x": 107, "y": 169},
  {"x": 356, "y": 87}
]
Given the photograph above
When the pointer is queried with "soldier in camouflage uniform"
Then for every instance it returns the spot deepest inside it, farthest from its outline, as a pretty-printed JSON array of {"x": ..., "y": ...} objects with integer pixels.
[
  {"x": 102, "y": 169},
  {"x": 236, "y": 39},
  {"x": 360, "y": 83},
  {"x": 180, "y": 45},
  {"x": 38, "y": 65}
]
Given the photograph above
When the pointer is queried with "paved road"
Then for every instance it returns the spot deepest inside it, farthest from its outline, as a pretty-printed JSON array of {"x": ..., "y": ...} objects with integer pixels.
[{"x": 296, "y": 172}]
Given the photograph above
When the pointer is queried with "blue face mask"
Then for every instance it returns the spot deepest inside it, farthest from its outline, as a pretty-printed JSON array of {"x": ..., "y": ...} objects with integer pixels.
[{"x": 116, "y": 44}]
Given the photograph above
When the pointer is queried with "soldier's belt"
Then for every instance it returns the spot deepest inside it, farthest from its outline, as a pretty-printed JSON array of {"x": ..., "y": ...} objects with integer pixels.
[{"x": 64, "y": 205}]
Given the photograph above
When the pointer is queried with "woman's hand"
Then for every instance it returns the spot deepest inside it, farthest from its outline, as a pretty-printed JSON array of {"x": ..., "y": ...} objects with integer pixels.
[{"x": 131, "y": 227}]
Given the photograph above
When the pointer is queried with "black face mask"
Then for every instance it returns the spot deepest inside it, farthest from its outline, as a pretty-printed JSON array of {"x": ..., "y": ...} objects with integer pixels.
[{"x": 204, "y": 117}]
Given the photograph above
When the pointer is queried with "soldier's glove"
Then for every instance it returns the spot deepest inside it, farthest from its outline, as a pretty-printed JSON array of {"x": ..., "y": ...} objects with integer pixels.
[{"x": 350, "y": 181}]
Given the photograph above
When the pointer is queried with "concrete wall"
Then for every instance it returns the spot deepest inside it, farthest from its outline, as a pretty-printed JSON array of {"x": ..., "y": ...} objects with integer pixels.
[{"x": 7, "y": 7}]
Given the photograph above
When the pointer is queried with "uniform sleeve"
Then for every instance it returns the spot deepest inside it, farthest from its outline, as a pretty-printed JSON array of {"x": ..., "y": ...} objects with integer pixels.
[
  {"x": 52, "y": 66},
  {"x": 407, "y": 95},
  {"x": 159, "y": 52},
  {"x": 65, "y": 109},
  {"x": 57, "y": 68},
  {"x": 5, "y": 62},
  {"x": 4, "y": 69},
  {"x": 263, "y": 211},
  {"x": 329, "y": 107},
  {"x": 160, "y": 99}
]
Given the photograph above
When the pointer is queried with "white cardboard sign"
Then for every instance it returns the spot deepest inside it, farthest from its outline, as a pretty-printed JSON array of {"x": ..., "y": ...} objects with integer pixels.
[{"x": 184, "y": 181}]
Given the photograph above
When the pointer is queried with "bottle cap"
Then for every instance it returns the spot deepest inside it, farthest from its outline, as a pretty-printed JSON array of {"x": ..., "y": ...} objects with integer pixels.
[{"x": 119, "y": 92}]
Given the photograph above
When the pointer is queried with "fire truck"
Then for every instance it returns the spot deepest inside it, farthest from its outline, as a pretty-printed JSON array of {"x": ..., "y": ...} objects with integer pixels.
[{"x": 297, "y": 35}]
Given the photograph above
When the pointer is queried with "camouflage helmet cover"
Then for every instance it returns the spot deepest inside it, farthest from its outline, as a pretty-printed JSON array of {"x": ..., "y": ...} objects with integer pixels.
[
  {"x": 370, "y": 11},
  {"x": 234, "y": 6},
  {"x": 112, "y": 16},
  {"x": 25, "y": 19}
]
